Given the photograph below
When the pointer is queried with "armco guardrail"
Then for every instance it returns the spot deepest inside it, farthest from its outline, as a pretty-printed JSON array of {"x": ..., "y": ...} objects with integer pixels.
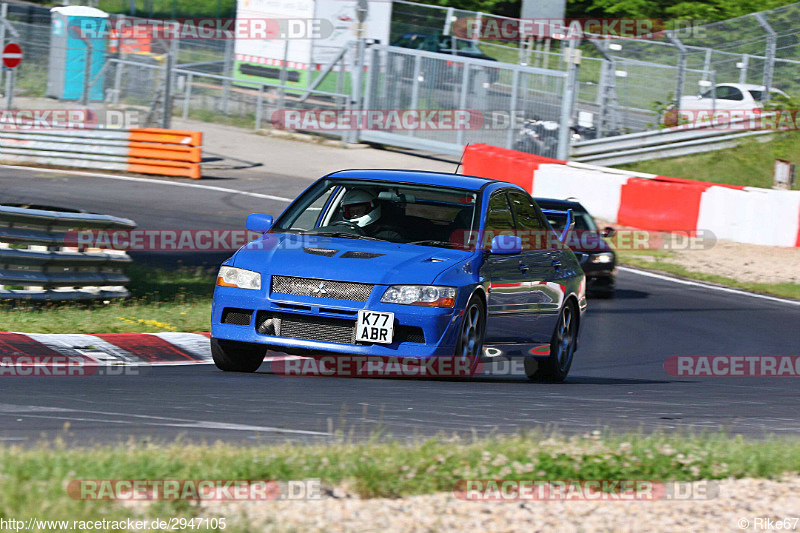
[
  {"x": 143, "y": 150},
  {"x": 659, "y": 144},
  {"x": 658, "y": 203},
  {"x": 37, "y": 264}
]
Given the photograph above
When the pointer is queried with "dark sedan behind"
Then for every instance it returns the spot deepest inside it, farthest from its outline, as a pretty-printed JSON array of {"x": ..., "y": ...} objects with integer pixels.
[{"x": 597, "y": 258}]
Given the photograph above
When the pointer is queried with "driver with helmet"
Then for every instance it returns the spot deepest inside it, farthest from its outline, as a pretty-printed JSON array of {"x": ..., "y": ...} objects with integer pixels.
[{"x": 362, "y": 210}]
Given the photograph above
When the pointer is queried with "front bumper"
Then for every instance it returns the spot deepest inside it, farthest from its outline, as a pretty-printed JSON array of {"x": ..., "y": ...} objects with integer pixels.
[{"x": 438, "y": 325}]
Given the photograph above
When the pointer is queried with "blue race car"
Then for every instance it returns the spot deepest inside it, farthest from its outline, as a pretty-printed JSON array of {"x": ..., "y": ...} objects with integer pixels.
[{"x": 402, "y": 264}]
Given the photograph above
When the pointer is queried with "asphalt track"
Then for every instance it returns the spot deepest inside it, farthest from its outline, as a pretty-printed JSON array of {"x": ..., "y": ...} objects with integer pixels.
[{"x": 617, "y": 381}]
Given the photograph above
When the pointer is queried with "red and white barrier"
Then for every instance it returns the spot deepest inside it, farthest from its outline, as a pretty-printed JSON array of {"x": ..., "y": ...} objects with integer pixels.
[
  {"x": 657, "y": 203},
  {"x": 109, "y": 349}
]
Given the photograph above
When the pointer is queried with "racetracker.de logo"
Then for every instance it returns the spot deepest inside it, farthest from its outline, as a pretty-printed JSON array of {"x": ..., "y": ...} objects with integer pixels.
[
  {"x": 751, "y": 366},
  {"x": 20, "y": 365},
  {"x": 366, "y": 366},
  {"x": 203, "y": 28},
  {"x": 504, "y": 29},
  {"x": 194, "y": 489},
  {"x": 583, "y": 490},
  {"x": 755, "y": 119},
  {"x": 377, "y": 119},
  {"x": 67, "y": 119}
]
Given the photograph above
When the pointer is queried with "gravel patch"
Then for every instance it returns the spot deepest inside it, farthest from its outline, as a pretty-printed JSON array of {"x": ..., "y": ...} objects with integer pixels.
[{"x": 746, "y": 499}]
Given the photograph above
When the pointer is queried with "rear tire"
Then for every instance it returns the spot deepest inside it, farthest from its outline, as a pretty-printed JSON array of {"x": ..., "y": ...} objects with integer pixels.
[
  {"x": 231, "y": 356},
  {"x": 562, "y": 349}
]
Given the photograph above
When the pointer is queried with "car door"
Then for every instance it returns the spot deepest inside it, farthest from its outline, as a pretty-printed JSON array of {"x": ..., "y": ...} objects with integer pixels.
[
  {"x": 541, "y": 261},
  {"x": 510, "y": 315}
]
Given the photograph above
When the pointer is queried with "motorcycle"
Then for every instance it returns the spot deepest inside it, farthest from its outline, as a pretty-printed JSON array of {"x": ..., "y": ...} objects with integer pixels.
[{"x": 540, "y": 137}]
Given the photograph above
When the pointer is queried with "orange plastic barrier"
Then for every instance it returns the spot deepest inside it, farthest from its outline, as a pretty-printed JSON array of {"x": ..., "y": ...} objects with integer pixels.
[
  {"x": 165, "y": 152},
  {"x": 503, "y": 164},
  {"x": 660, "y": 205}
]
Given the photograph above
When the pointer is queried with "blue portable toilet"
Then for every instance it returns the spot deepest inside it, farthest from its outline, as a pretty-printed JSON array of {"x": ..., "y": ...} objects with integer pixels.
[{"x": 70, "y": 27}]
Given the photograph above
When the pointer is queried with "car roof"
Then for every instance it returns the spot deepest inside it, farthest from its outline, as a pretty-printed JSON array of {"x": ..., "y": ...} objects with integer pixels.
[
  {"x": 422, "y": 177},
  {"x": 747, "y": 86},
  {"x": 559, "y": 204}
]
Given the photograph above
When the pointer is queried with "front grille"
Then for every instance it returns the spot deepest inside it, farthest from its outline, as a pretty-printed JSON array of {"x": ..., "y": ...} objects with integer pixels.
[
  {"x": 312, "y": 328},
  {"x": 320, "y": 288},
  {"x": 237, "y": 317}
]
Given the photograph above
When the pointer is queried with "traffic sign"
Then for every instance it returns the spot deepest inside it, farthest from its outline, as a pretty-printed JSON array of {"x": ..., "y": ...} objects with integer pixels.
[{"x": 12, "y": 55}]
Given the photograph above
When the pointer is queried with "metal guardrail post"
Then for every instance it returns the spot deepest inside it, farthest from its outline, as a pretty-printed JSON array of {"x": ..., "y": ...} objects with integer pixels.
[
  {"x": 743, "y": 68},
  {"x": 681, "y": 66},
  {"x": 117, "y": 81},
  {"x": 87, "y": 71},
  {"x": 358, "y": 81},
  {"x": 567, "y": 101},
  {"x": 259, "y": 106},
  {"x": 226, "y": 71},
  {"x": 513, "y": 110},
  {"x": 769, "y": 63},
  {"x": 187, "y": 96},
  {"x": 713, "y": 92},
  {"x": 10, "y": 88},
  {"x": 707, "y": 63},
  {"x": 166, "y": 118},
  {"x": 462, "y": 101},
  {"x": 284, "y": 74},
  {"x": 448, "y": 21},
  {"x": 415, "y": 89},
  {"x": 3, "y": 16}
]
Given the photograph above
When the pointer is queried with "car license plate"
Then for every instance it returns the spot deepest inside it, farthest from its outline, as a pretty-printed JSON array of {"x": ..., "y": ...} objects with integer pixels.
[{"x": 373, "y": 326}]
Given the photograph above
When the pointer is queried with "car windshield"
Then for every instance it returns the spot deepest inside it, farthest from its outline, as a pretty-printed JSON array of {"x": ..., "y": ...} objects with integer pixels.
[
  {"x": 775, "y": 95},
  {"x": 392, "y": 212}
]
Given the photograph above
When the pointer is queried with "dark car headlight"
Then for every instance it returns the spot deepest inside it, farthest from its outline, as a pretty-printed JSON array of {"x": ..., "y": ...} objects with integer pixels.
[
  {"x": 602, "y": 258},
  {"x": 239, "y": 278},
  {"x": 425, "y": 295}
]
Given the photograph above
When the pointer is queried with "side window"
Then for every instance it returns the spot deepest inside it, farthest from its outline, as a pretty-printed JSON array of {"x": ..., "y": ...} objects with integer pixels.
[
  {"x": 308, "y": 219},
  {"x": 728, "y": 93},
  {"x": 524, "y": 212},
  {"x": 529, "y": 225},
  {"x": 498, "y": 217}
]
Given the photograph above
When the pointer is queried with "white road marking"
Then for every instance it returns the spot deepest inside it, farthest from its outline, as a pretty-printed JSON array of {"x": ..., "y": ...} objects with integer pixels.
[
  {"x": 80, "y": 416},
  {"x": 707, "y": 286},
  {"x": 148, "y": 180}
]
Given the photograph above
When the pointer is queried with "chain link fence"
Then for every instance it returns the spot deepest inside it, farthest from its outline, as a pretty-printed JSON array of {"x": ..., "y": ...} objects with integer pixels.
[{"x": 620, "y": 85}]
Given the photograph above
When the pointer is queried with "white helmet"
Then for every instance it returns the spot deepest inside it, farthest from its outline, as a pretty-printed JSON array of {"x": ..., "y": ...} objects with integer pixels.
[{"x": 360, "y": 207}]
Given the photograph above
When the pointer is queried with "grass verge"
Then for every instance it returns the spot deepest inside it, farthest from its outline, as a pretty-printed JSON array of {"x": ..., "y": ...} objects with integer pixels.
[
  {"x": 751, "y": 163},
  {"x": 659, "y": 260},
  {"x": 161, "y": 300},
  {"x": 33, "y": 481}
]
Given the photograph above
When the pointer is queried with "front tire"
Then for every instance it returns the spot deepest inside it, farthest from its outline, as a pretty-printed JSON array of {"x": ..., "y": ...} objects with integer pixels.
[
  {"x": 472, "y": 332},
  {"x": 231, "y": 356},
  {"x": 562, "y": 349}
]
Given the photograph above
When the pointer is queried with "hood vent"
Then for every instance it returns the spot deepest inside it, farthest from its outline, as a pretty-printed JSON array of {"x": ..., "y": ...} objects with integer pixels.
[
  {"x": 360, "y": 255},
  {"x": 327, "y": 252}
]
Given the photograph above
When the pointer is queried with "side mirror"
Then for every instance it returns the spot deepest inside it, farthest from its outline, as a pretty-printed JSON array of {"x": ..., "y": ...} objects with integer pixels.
[
  {"x": 506, "y": 245},
  {"x": 258, "y": 222},
  {"x": 608, "y": 232}
]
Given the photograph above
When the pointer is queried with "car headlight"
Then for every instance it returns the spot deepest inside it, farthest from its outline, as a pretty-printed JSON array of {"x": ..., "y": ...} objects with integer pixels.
[
  {"x": 426, "y": 295},
  {"x": 239, "y": 278},
  {"x": 604, "y": 257}
]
